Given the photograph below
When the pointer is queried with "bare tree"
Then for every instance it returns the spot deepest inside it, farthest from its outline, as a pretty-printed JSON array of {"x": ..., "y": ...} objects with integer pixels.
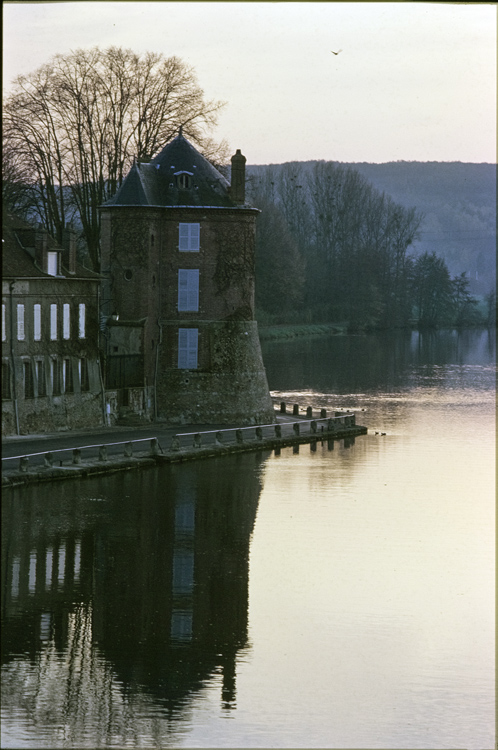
[{"x": 77, "y": 122}]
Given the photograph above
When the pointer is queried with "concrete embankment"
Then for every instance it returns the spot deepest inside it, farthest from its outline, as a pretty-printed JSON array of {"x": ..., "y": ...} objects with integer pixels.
[{"x": 287, "y": 431}]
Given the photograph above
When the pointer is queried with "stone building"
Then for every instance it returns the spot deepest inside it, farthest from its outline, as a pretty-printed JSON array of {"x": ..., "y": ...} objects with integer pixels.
[
  {"x": 51, "y": 377},
  {"x": 177, "y": 243}
]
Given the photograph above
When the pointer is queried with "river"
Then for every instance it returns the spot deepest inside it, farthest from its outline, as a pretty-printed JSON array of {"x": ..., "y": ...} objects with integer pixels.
[{"x": 335, "y": 598}]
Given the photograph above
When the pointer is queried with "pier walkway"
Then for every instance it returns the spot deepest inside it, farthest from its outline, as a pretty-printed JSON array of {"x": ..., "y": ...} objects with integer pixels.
[{"x": 39, "y": 458}]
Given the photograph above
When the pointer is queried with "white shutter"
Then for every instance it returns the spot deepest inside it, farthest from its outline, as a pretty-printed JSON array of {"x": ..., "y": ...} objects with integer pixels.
[
  {"x": 66, "y": 324},
  {"x": 187, "y": 348},
  {"x": 37, "y": 322},
  {"x": 81, "y": 321},
  {"x": 20, "y": 322},
  {"x": 188, "y": 290},
  {"x": 53, "y": 322},
  {"x": 52, "y": 264},
  {"x": 189, "y": 238}
]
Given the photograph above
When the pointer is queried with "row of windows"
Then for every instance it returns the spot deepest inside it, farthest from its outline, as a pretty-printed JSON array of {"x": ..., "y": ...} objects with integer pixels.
[
  {"x": 54, "y": 324},
  {"x": 61, "y": 376}
]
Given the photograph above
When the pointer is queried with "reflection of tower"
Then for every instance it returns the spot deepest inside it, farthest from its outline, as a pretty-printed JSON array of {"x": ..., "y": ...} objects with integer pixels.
[{"x": 138, "y": 580}]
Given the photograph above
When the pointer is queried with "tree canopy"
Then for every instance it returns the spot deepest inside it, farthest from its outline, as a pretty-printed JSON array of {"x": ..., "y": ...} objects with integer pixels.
[{"x": 73, "y": 127}]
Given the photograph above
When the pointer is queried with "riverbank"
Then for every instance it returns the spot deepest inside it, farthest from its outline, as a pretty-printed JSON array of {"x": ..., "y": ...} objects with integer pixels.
[
  {"x": 93, "y": 460},
  {"x": 281, "y": 332}
]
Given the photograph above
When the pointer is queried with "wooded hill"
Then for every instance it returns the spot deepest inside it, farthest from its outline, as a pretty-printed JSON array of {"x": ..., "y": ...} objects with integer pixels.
[{"x": 458, "y": 204}]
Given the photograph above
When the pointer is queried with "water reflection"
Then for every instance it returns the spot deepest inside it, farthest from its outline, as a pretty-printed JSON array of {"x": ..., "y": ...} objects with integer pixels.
[
  {"x": 381, "y": 362},
  {"x": 131, "y": 586}
]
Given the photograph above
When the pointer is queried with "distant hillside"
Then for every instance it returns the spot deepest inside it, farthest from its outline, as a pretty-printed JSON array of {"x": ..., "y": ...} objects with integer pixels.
[{"x": 458, "y": 201}]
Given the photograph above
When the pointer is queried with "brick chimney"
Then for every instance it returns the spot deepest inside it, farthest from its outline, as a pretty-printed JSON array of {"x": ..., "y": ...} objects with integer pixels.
[
  {"x": 238, "y": 186},
  {"x": 40, "y": 242},
  {"x": 69, "y": 250}
]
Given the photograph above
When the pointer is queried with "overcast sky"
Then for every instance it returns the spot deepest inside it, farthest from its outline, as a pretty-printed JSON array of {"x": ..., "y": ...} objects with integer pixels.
[{"x": 414, "y": 81}]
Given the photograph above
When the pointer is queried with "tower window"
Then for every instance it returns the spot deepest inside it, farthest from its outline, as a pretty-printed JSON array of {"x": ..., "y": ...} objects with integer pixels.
[
  {"x": 189, "y": 236},
  {"x": 188, "y": 290},
  {"x": 187, "y": 348},
  {"x": 52, "y": 263}
]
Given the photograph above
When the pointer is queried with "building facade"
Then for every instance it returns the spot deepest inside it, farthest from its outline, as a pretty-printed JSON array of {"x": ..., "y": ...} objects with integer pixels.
[
  {"x": 177, "y": 243},
  {"x": 51, "y": 378}
]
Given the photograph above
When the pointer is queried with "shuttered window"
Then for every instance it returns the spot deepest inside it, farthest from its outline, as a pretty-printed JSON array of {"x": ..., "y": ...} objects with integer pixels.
[
  {"x": 81, "y": 321},
  {"x": 66, "y": 322},
  {"x": 37, "y": 322},
  {"x": 20, "y": 322},
  {"x": 52, "y": 264},
  {"x": 188, "y": 290},
  {"x": 187, "y": 348},
  {"x": 40, "y": 378},
  {"x": 53, "y": 322},
  {"x": 189, "y": 236},
  {"x": 67, "y": 374}
]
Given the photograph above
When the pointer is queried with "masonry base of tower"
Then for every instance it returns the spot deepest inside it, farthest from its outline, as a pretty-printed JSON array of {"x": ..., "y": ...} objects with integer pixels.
[{"x": 229, "y": 386}]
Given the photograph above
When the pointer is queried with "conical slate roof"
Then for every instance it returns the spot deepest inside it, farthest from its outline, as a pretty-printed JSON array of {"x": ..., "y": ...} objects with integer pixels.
[{"x": 178, "y": 176}]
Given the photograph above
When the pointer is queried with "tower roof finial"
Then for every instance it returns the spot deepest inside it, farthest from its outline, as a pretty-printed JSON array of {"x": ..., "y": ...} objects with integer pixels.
[{"x": 180, "y": 131}]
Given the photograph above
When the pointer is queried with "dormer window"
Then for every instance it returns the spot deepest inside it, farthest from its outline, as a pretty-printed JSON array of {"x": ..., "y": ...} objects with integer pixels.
[
  {"x": 52, "y": 264},
  {"x": 184, "y": 180}
]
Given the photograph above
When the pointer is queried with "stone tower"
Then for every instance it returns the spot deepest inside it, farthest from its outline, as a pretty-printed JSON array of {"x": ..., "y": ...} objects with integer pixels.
[{"x": 178, "y": 252}]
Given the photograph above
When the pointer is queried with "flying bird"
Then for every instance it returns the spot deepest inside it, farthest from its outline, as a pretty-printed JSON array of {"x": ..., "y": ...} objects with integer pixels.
[{"x": 335, "y": 53}]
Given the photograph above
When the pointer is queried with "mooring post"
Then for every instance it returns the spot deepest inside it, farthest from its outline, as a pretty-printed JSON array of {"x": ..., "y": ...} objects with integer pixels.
[
  {"x": 103, "y": 453},
  {"x": 259, "y": 433},
  {"x": 295, "y": 410},
  {"x": 218, "y": 438},
  {"x": 128, "y": 449},
  {"x": 331, "y": 425},
  {"x": 76, "y": 455},
  {"x": 323, "y": 413},
  {"x": 48, "y": 460},
  {"x": 175, "y": 444},
  {"x": 277, "y": 450},
  {"x": 313, "y": 445},
  {"x": 330, "y": 445},
  {"x": 313, "y": 427},
  {"x": 283, "y": 407},
  {"x": 295, "y": 448},
  {"x": 278, "y": 430},
  {"x": 309, "y": 412},
  {"x": 23, "y": 463},
  {"x": 295, "y": 427},
  {"x": 197, "y": 440},
  {"x": 239, "y": 436}
]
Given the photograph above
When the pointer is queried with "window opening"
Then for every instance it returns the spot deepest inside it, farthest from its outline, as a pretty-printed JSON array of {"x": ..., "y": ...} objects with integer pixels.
[
  {"x": 189, "y": 238},
  {"x": 187, "y": 348},
  {"x": 6, "y": 380},
  {"x": 40, "y": 378},
  {"x": 68, "y": 377},
  {"x": 37, "y": 322},
  {"x": 53, "y": 322},
  {"x": 20, "y": 322},
  {"x": 66, "y": 322},
  {"x": 81, "y": 321},
  {"x": 84, "y": 380},
  {"x": 52, "y": 264},
  {"x": 188, "y": 290},
  {"x": 56, "y": 377},
  {"x": 29, "y": 391}
]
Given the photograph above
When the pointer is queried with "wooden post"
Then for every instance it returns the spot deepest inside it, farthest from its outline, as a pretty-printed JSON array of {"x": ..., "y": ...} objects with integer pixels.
[
  {"x": 128, "y": 449},
  {"x": 23, "y": 463},
  {"x": 197, "y": 440},
  {"x": 323, "y": 413},
  {"x": 259, "y": 433},
  {"x": 283, "y": 408},
  {"x": 48, "y": 460},
  {"x": 76, "y": 455},
  {"x": 295, "y": 427},
  {"x": 295, "y": 410},
  {"x": 309, "y": 412},
  {"x": 103, "y": 453},
  {"x": 239, "y": 436},
  {"x": 278, "y": 430}
]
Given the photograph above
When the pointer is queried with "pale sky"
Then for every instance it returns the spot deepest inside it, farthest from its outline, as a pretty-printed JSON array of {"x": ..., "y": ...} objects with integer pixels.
[{"x": 414, "y": 81}]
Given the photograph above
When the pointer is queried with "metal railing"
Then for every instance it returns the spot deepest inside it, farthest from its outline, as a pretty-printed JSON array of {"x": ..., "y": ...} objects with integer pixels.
[{"x": 306, "y": 428}]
